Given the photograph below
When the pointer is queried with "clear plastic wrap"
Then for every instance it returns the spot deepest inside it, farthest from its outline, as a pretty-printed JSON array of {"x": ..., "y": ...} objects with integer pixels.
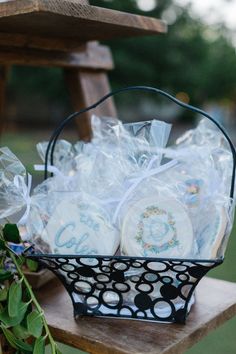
[
  {"x": 125, "y": 188},
  {"x": 126, "y": 193},
  {"x": 14, "y": 191},
  {"x": 209, "y": 167},
  {"x": 187, "y": 204}
]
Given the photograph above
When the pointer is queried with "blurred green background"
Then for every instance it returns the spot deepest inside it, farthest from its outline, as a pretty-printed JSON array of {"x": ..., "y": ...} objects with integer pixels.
[{"x": 196, "y": 61}]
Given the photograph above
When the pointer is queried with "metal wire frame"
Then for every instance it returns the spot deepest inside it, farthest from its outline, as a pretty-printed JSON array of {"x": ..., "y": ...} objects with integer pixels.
[
  {"x": 132, "y": 282},
  {"x": 54, "y": 137},
  {"x": 56, "y": 262}
]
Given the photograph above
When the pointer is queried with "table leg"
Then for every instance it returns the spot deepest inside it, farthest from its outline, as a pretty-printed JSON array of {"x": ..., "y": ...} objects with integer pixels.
[{"x": 86, "y": 87}]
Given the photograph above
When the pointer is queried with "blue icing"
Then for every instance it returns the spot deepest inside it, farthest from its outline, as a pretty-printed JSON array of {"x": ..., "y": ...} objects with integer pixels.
[
  {"x": 77, "y": 244},
  {"x": 155, "y": 230},
  {"x": 88, "y": 220}
]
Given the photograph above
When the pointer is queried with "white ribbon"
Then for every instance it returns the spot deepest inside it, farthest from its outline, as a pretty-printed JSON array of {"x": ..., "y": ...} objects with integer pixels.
[
  {"x": 19, "y": 182},
  {"x": 50, "y": 168},
  {"x": 54, "y": 170},
  {"x": 137, "y": 180}
]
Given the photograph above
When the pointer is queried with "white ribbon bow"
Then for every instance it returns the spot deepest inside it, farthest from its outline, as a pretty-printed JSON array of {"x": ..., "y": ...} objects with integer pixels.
[
  {"x": 137, "y": 180},
  {"x": 50, "y": 168},
  {"x": 134, "y": 180},
  {"x": 20, "y": 184}
]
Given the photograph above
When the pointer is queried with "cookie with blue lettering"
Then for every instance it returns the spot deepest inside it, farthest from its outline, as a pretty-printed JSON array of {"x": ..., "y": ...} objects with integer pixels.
[
  {"x": 80, "y": 227},
  {"x": 157, "y": 227}
]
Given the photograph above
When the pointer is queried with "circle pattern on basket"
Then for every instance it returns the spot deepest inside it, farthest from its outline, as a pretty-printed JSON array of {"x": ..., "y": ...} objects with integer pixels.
[{"x": 115, "y": 287}]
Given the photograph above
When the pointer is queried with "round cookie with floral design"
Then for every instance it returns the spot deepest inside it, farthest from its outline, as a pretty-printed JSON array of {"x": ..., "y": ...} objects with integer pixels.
[{"x": 157, "y": 227}]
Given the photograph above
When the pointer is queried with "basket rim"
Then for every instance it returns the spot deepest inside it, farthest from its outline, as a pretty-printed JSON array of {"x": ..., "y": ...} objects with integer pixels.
[{"x": 149, "y": 259}]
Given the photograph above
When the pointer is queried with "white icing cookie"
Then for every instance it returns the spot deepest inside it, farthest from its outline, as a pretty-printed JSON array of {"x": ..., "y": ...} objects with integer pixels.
[
  {"x": 193, "y": 189},
  {"x": 81, "y": 227},
  {"x": 211, "y": 230},
  {"x": 157, "y": 227}
]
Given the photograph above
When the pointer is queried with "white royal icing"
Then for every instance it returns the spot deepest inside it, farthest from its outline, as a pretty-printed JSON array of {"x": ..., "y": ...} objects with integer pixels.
[
  {"x": 81, "y": 227},
  {"x": 157, "y": 227}
]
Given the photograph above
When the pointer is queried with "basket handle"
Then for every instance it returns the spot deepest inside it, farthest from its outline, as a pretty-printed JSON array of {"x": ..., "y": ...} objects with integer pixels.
[{"x": 58, "y": 130}]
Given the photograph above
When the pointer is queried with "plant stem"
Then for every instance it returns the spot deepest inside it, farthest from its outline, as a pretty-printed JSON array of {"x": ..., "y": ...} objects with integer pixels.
[{"x": 36, "y": 304}]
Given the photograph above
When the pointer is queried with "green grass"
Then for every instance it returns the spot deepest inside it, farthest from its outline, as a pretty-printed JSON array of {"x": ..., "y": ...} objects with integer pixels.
[{"x": 222, "y": 340}]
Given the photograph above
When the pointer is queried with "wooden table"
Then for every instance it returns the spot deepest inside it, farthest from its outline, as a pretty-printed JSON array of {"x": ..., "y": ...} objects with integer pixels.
[
  {"x": 58, "y": 33},
  {"x": 216, "y": 303}
]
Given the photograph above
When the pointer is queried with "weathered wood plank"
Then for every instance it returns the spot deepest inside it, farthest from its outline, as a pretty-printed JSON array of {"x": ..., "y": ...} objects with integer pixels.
[
  {"x": 63, "y": 18},
  {"x": 93, "y": 57},
  {"x": 216, "y": 303},
  {"x": 87, "y": 87},
  {"x": 36, "y": 42}
]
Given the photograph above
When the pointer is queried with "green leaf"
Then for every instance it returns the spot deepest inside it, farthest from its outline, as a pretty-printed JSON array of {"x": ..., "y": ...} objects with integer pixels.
[
  {"x": 14, "y": 298},
  {"x": 13, "y": 321},
  {"x": 27, "y": 295},
  {"x": 58, "y": 351},
  {"x": 5, "y": 274},
  {"x": 39, "y": 346},
  {"x": 11, "y": 233},
  {"x": 15, "y": 342},
  {"x": 35, "y": 323},
  {"x": 20, "y": 260},
  {"x": 32, "y": 265},
  {"x": 2, "y": 245},
  {"x": 20, "y": 332},
  {"x": 9, "y": 337},
  {"x": 3, "y": 294}
]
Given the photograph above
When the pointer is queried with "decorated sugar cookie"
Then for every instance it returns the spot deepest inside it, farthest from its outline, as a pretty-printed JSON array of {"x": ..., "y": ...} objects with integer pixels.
[
  {"x": 193, "y": 189},
  {"x": 211, "y": 230},
  {"x": 81, "y": 227},
  {"x": 157, "y": 227}
]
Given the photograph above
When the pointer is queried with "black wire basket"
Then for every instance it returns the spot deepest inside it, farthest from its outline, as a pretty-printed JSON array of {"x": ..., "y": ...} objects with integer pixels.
[{"x": 156, "y": 289}]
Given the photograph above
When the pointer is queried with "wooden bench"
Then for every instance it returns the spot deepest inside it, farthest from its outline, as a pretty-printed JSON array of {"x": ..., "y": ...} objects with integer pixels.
[
  {"x": 58, "y": 33},
  {"x": 215, "y": 304}
]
